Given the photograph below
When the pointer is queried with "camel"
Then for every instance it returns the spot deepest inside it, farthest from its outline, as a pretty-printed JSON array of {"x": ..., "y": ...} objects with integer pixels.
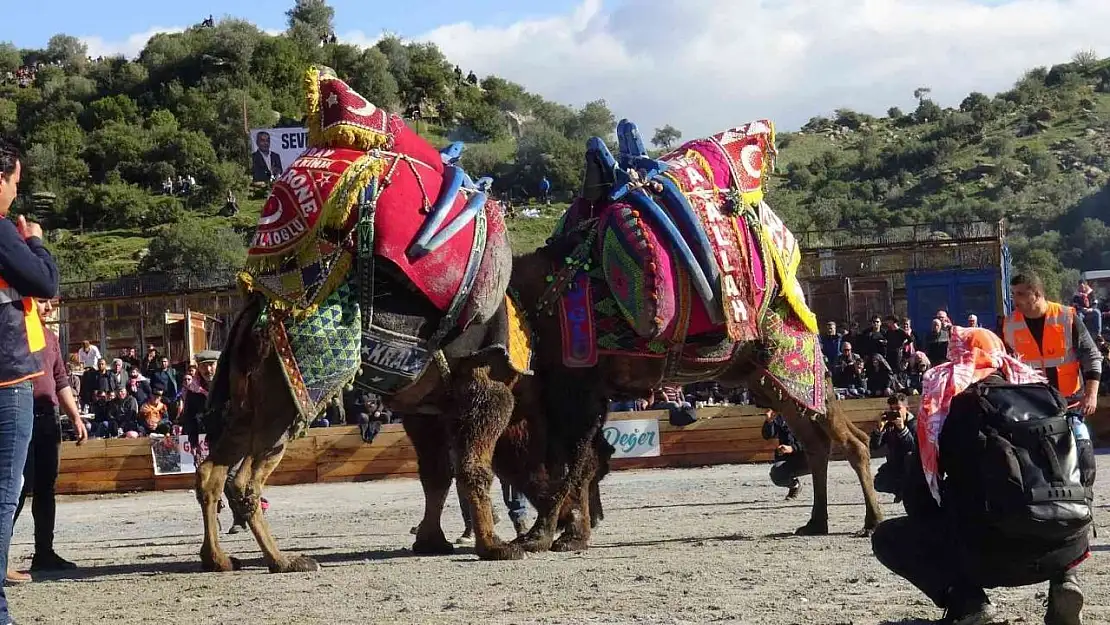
[
  {"x": 686, "y": 295},
  {"x": 377, "y": 261}
]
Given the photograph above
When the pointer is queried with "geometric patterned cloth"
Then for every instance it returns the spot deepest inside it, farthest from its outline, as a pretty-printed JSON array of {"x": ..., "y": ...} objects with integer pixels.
[
  {"x": 796, "y": 364},
  {"x": 323, "y": 352}
]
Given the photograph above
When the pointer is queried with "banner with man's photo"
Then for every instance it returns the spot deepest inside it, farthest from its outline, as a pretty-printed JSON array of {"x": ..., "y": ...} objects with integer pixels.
[
  {"x": 274, "y": 149},
  {"x": 174, "y": 455}
]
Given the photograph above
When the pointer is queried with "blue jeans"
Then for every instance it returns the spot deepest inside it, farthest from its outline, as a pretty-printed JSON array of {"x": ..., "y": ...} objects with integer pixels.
[{"x": 16, "y": 420}]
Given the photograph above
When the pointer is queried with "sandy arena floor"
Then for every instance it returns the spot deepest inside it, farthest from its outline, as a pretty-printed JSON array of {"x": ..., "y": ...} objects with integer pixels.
[{"x": 677, "y": 546}]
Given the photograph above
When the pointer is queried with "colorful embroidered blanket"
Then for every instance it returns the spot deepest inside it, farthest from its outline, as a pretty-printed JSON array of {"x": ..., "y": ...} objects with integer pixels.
[
  {"x": 796, "y": 363},
  {"x": 362, "y": 159},
  {"x": 973, "y": 354}
]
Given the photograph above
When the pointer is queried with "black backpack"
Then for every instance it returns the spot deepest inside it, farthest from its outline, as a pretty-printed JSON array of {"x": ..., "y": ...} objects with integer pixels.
[{"x": 1032, "y": 483}]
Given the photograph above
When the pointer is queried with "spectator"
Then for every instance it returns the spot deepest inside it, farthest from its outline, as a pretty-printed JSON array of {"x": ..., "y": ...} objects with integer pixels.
[
  {"x": 830, "y": 344},
  {"x": 899, "y": 344},
  {"x": 945, "y": 322},
  {"x": 119, "y": 376},
  {"x": 848, "y": 371},
  {"x": 139, "y": 386},
  {"x": 153, "y": 414},
  {"x": 132, "y": 359},
  {"x": 104, "y": 380},
  {"x": 89, "y": 355},
  {"x": 946, "y": 545},
  {"x": 127, "y": 415},
  {"x": 150, "y": 363},
  {"x": 164, "y": 376},
  {"x": 1084, "y": 302},
  {"x": 881, "y": 381},
  {"x": 936, "y": 343},
  {"x": 895, "y": 436},
  {"x": 790, "y": 461},
  {"x": 872, "y": 341},
  {"x": 973, "y": 321},
  {"x": 915, "y": 371}
]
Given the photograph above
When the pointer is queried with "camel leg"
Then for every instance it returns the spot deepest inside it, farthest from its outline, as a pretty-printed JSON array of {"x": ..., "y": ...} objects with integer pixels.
[
  {"x": 815, "y": 442},
  {"x": 484, "y": 407},
  {"x": 247, "y": 493},
  {"x": 576, "y": 534},
  {"x": 542, "y": 535},
  {"x": 210, "y": 478},
  {"x": 429, "y": 438},
  {"x": 854, "y": 442}
]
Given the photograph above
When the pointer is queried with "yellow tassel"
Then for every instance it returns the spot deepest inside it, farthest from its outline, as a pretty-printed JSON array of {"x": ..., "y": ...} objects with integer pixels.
[
  {"x": 312, "y": 107},
  {"x": 348, "y": 190}
]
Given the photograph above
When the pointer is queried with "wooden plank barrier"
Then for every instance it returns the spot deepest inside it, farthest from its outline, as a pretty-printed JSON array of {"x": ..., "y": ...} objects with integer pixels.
[{"x": 722, "y": 435}]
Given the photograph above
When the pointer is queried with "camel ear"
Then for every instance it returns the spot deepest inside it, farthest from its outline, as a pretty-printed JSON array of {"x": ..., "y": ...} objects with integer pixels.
[{"x": 600, "y": 170}]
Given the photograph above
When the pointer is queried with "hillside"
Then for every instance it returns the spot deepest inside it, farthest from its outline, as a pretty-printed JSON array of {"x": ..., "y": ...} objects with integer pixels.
[{"x": 102, "y": 135}]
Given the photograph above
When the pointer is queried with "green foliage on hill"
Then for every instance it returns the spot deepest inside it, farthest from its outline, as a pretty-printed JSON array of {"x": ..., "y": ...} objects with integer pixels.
[
  {"x": 101, "y": 135},
  {"x": 1036, "y": 155}
]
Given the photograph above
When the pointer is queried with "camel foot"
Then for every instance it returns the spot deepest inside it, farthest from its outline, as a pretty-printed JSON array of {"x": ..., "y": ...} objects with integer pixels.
[
  {"x": 567, "y": 543},
  {"x": 501, "y": 551},
  {"x": 864, "y": 533},
  {"x": 433, "y": 547},
  {"x": 221, "y": 564},
  {"x": 534, "y": 542},
  {"x": 296, "y": 564},
  {"x": 813, "y": 528}
]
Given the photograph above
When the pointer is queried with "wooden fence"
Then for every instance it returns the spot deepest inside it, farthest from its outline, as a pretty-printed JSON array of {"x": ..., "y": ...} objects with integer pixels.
[{"x": 722, "y": 435}]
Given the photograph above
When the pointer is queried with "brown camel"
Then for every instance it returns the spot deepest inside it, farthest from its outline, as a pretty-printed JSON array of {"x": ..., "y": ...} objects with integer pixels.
[
  {"x": 377, "y": 261},
  {"x": 576, "y": 254}
]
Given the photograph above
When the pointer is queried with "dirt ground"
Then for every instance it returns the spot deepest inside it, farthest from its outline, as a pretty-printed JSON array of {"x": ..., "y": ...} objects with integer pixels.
[{"x": 677, "y": 546}]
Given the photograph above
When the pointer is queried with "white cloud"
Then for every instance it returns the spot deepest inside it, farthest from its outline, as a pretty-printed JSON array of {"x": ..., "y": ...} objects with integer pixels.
[
  {"x": 706, "y": 65},
  {"x": 130, "y": 47}
]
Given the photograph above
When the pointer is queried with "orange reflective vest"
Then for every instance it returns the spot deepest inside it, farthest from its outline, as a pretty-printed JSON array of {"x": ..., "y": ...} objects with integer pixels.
[
  {"x": 33, "y": 332},
  {"x": 1056, "y": 350}
]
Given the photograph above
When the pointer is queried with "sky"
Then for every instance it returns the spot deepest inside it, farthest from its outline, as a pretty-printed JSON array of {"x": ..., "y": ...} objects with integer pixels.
[{"x": 700, "y": 65}]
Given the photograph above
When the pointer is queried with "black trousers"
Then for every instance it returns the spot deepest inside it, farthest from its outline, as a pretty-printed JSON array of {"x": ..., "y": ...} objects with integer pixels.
[
  {"x": 948, "y": 565},
  {"x": 40, "y": 474},
  {"x": 785, "y": 471}
]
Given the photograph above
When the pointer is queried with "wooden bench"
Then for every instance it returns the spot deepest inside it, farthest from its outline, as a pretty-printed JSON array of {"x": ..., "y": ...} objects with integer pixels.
[{"x": 722, "y": 435}]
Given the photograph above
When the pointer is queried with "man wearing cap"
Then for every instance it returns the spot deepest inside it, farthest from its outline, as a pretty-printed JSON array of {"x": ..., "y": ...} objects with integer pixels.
[{"x": 40, "y": 473}]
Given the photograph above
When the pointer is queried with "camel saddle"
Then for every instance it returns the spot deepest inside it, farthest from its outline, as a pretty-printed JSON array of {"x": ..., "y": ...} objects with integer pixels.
[{"x": 371, "y": 198}]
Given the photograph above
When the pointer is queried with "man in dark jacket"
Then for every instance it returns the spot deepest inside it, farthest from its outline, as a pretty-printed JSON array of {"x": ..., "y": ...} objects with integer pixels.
[
  {"x": 790, "y": 461},
  {"x": 951, "y": 553},
  {"x": 26, "y": 271},
  {"x": 830, "y": 344},
  {"x": 895, "y": 436}
]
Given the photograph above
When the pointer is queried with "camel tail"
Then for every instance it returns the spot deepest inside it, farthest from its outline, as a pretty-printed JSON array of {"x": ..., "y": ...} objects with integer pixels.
[{"x": 240, "y": 349}]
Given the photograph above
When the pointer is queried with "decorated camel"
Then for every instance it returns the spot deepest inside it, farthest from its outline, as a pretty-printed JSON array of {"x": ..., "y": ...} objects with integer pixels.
[
  {"x": 377, "y": 261},
  {"x": 672, "y": 271}
]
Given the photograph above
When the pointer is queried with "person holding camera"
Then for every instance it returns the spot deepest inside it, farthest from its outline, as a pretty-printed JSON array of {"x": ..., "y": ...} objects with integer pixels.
[
  {"x": 895, "y": 435},
  {"x": 790, "y": 461}
]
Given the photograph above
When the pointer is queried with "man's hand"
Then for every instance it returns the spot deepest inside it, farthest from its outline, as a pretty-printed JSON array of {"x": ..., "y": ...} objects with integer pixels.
[
  {"x": 785, "y": 450},
  {"x": 1090, "y": 398},
  {"x": 28, "y": 229},
  {"x": 80, "y": 431}
]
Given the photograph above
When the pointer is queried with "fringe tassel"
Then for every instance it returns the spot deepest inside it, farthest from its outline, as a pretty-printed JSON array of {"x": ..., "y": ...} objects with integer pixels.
[
  {"x": 348, "y": 191},
  {"x": 312, "y": 104}
]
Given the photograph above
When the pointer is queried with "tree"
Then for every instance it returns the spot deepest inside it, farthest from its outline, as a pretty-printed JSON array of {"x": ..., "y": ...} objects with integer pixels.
[
  {"x": 666, "y": 137},
  {"x": 10, "y": 58},
  {"x": 196, "y": 248},
  {"x": 921, "y": 93},
  {"x": 895, "y": 113},
  {"x": 67, "y": 50},
  {"x": 1085, "y": 59},
  {"x": 927, "y": 111},
  {"x": 312, "y": 19}
]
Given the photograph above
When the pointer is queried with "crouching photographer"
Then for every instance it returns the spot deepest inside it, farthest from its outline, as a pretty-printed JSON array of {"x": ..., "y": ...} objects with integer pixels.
[
  {"x": 895, "y": 435},
  {"x": 1001, "y": 494}
]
